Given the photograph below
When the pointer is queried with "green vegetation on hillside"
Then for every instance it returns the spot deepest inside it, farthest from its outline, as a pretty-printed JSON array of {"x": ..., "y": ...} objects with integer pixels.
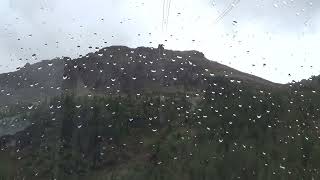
[{"x": 226, "y": 131}]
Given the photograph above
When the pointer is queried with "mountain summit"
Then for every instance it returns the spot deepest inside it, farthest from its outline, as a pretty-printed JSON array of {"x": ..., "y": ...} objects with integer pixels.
[{"x": 118, "y": 69}]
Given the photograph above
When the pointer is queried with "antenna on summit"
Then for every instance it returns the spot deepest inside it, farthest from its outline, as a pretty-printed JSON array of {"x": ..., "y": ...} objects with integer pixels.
[{"x": 161, "y": 50}]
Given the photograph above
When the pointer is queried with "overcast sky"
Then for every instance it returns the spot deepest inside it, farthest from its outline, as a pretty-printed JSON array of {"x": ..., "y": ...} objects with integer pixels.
[{"x": 268, "y": 38}]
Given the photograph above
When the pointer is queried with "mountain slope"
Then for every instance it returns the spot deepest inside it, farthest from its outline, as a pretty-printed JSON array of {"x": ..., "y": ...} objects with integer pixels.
[
  {"x": 126, "y": 70},
  {"x": 156, "y": 114}
]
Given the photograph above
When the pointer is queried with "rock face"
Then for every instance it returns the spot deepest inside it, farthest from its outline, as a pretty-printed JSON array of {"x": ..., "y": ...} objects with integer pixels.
[
  {"x": 117, "y": 70},
  {"x": 32, "y": 83}
]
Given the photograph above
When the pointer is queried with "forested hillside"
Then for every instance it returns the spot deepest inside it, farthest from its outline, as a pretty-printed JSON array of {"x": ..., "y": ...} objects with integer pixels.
[{"x": 195, "y": 122}]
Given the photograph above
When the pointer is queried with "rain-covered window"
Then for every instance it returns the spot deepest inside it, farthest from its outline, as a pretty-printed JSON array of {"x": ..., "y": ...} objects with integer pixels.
[{"x": 159, "y": 89}]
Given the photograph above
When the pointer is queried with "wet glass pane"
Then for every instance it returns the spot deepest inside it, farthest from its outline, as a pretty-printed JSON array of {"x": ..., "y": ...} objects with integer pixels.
[{"x": 159, "y": 90}]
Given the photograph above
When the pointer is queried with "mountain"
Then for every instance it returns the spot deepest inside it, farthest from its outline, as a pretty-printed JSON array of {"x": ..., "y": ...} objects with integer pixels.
[
  {"x": 146, "y": 113},
  {"x": 125, "y": 69}
]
